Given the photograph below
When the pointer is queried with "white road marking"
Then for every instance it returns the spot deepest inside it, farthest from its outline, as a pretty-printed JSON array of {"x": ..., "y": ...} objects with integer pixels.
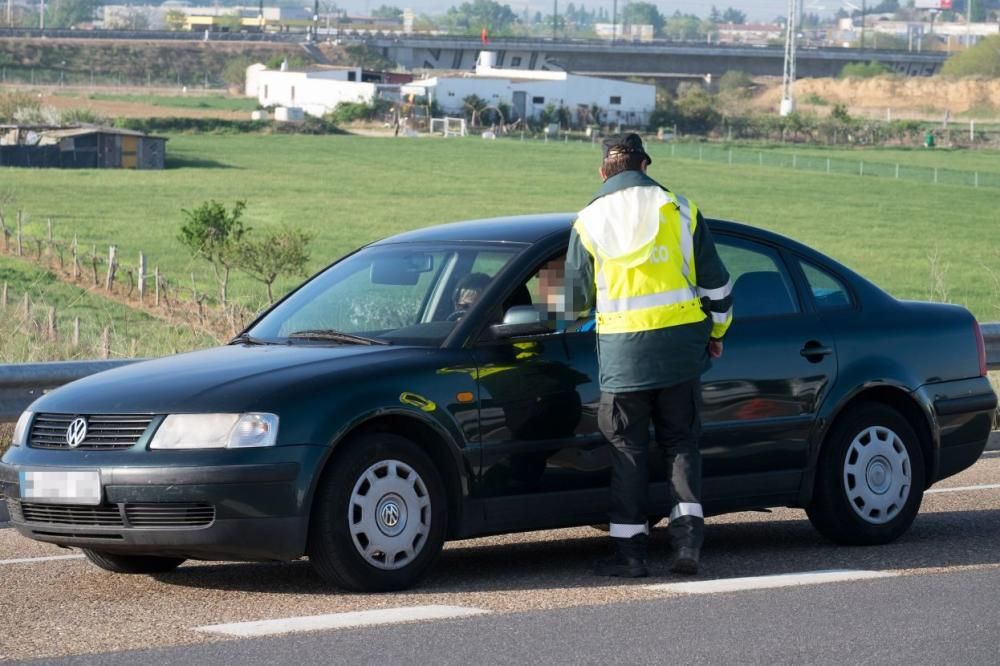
[
  {"x": 341, "y": 620},
  {"x": 767, "y": 582},
  {"x": 962, "y": 489},
  {"x": 50, "y": 558}
]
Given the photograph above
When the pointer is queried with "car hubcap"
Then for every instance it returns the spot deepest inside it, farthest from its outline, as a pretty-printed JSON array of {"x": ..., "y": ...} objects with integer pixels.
[
  {"x": 877, "y": 475},
  {"x": 389, "y": 514}
]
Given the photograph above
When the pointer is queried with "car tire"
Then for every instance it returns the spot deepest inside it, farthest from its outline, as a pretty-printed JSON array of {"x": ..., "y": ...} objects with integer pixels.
[
  {"x": 132, "y": 564},
  {"x": 379, "y": 515},
  {"x": 870, "y": 480}
]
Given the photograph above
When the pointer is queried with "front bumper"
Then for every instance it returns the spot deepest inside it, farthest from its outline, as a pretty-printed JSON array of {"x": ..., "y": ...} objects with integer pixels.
[
  {"x": 964, "y": 413},
  {"x": 255, "y": 509}
]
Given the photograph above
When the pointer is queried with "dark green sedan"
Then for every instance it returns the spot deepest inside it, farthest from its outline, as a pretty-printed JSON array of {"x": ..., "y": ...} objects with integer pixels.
[{"x": 423, "y": 389}]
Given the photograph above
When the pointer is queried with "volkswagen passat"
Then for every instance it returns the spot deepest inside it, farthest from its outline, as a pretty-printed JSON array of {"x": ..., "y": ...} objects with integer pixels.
[{"x": 416, "y": 391}]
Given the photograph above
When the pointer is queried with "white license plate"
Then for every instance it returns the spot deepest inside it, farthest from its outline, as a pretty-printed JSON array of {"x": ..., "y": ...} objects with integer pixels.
[{"x": 62, "y": 486}]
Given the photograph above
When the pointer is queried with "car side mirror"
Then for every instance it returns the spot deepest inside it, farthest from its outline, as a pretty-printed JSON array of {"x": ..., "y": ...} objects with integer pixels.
[{"x": 519, "y": 321}]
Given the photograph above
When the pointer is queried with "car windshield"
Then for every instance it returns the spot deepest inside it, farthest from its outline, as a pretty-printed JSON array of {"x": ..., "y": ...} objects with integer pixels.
[{"x": 402, "y": 294}]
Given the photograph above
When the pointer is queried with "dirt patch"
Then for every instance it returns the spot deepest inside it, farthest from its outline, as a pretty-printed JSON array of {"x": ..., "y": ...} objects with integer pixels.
[
  {"x": 907, "y": 97},
  {"x": 65, "y": 99}
]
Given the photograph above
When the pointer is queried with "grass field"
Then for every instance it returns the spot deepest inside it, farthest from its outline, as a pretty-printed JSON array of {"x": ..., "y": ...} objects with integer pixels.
[
  {"x": 350, "y": 190},
  {"x": 217, "y": 102},
  {"x": 132, "y": 333}
]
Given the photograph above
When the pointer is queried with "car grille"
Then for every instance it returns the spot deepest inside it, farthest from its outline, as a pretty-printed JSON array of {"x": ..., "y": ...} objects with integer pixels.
[
  {"x": 104, "y": 431},
  {"x": 146, "y": 515},
  {"x": 169, "y": 515}
]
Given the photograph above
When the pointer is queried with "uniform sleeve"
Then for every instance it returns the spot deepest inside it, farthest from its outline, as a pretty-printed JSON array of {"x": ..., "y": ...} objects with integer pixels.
[
  {"x": 581, "y": 291},
  {"x": 714, "y": 285}
]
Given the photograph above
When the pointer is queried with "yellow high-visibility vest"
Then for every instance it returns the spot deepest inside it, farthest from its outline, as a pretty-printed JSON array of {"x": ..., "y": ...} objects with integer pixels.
[{"x": 636, "y": 295}]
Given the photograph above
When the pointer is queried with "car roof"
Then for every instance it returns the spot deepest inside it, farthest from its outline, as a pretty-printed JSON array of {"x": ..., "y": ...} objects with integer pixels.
[{"x": 533, "y": 228}]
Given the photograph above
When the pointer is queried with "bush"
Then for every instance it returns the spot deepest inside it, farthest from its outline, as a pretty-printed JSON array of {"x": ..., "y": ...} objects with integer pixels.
[
  {"x": 862, "y": 70},
  {"x": 983, "y": 59},
  {"x": 13, "y": 101},
  {"x": 736, "y": 83},
  {"x": 82, "y": 117}
]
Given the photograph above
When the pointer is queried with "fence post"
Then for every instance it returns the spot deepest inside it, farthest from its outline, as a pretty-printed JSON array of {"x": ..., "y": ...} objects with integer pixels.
[
  {"x": 700, "y": 149},
  {"x": 828, "y": 165},
  {"x": 795, "y": 161},
  {"x": 76, "y": 332},
  {"x": 976, "y": 180},
  {"x": 26, "y": 307},
  {"x": 730, "y": 157},
  {"x": 105, "y": 343},
  {"x": 76, "y": 259},
  {"x": 112, "y": 259},
  {"x": 156, "y": 281},
  {"x": 52, "y": 324},
  {"x": 935, "y": 175},
  {"x": 897, "y": 170},
  {"x": 3, "y": 297},
  {"x": 142, "y": 276},
  {"x": 672, "y": 147},
  {"x": 861, "y": 168},
  {"x": 19, "y": 249},
  {"x": 760, "y": 158}
]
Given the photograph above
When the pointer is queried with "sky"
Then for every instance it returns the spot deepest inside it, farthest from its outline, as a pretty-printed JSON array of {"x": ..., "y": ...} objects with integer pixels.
[{"x": 756, "y": 10}]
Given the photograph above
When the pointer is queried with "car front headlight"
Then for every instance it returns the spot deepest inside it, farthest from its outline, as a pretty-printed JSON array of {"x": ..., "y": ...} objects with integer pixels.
[
  {"x": 216, "y": 431},
  {"x": 21, "y": 429}
]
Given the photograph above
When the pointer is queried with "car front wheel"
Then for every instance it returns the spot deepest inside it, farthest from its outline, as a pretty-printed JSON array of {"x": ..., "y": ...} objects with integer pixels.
[
  {"x": 870, "y": 480},
  {"x": 379, "y": 516},
  {"x": 132, "y": 564}
]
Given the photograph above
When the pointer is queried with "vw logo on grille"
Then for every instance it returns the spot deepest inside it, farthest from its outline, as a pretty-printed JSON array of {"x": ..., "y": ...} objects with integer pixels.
[
  {"x": 76, "y": 432},
  {"x": 390, "y": 514}
]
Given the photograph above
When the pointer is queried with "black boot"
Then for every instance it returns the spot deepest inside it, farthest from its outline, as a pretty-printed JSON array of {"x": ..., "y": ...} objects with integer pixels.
[
  {"x": 685, "y": 561},
  {"x": 628, "y": 562}
]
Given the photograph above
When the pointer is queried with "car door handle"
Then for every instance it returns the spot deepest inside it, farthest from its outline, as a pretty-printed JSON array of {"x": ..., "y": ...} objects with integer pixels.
[{"x": 815, "y": 349}]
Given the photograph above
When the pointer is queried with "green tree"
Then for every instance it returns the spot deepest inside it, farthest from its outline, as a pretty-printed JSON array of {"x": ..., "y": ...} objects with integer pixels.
[
  {"x": 683, "y": 27},
  {"x": 643, "y": 13},
  {"x": 235, "y": 71},
  {"x": 983, "y": 59},
  {"x": 214, "y": 234},
  {"x": 68, "y": 13},
  {"x": 388, "y": 12},
  {"x": 278, "y": 252},
  {"x": 175, "y": 19},
  {"x": 474, "y": 105},
  {"x": 471, "y": 17},
  {"x": 733, "y": 15},
  {"x": 735, "y": 84}
]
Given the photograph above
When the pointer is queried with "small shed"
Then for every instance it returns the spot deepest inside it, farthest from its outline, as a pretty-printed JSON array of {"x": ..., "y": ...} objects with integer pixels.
[{"x": 80, "y": 148}]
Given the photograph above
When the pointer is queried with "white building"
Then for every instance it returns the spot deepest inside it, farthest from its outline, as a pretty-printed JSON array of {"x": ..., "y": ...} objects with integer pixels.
[
  {"x": 750, "y": 33},
  {"x": 528, "y": 92},
  {"x": 316, "y": 91}
]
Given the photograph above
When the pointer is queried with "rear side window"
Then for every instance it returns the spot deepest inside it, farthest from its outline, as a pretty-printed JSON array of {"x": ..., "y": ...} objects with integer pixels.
[
  {"x": 829, "y": 293},
  {"x": 761, "y": 286}
]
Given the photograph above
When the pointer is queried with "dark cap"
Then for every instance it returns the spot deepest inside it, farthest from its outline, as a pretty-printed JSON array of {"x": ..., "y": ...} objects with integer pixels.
[{"x": 630, "y": 144}]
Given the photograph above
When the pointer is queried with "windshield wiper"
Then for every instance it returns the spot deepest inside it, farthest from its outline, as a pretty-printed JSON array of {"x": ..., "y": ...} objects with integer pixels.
[
  {"x": 247, "y": 339},
  {"x": 337, "y": 336}
]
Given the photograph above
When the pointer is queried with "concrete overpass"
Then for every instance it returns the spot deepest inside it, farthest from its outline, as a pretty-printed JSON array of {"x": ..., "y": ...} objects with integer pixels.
[{"x": 658, "y": 60}]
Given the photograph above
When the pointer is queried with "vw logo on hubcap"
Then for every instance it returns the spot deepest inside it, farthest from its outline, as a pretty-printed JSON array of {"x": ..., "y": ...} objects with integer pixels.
[
  {"x": 390, "y": 514},
  {"x": 76, "y": 433}
]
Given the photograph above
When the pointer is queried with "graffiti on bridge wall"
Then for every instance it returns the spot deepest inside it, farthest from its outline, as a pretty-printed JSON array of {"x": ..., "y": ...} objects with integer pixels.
[{"x": 465, "y": 59}]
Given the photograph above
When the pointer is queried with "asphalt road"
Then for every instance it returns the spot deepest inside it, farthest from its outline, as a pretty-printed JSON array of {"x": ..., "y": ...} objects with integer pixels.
[{"x": 936, "y": 601}]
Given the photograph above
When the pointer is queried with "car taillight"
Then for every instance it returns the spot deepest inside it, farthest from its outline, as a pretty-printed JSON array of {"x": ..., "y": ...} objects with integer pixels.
[{"x": 981, "y": 348}]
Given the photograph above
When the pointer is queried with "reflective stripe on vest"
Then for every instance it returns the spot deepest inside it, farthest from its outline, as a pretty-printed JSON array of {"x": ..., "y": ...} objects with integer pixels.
[{"x": 663, "y": 288}]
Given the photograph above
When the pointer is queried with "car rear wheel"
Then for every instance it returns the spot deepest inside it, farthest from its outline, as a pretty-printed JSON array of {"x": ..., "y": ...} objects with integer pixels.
[
  {"x": 379, "y": 517},
  {"x": 132, "y": 564},
  {"x": 870, "y": 480}
]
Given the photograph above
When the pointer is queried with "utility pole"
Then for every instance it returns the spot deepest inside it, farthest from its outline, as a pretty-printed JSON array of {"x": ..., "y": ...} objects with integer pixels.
[
  {"x": 41, "y": 15},
  {"x": 864, "y": 10},
  {"x": 968, "y": 25},
  {"x": 788, "y": 80},
  {"x": 614, "y": 21},
  {"x": 555, "y": 18}
]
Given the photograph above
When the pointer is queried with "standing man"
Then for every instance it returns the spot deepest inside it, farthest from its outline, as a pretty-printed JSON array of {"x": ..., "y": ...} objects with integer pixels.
[{"x": 645, "y": 258}]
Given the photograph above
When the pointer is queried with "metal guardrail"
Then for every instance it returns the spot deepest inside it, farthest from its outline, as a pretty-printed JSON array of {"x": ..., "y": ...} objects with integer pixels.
[{"x": 22, "y": 383}]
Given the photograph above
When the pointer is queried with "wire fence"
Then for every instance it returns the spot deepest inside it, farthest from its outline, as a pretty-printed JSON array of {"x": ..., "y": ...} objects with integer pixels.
[{"x": 831, "y": 165}]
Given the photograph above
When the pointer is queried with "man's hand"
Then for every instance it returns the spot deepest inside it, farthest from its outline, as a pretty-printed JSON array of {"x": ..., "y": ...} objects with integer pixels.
[{"x": 715, "y": 348}]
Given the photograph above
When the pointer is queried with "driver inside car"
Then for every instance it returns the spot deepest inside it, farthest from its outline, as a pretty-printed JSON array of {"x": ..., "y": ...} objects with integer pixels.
[{"x": 467, "y": 292}]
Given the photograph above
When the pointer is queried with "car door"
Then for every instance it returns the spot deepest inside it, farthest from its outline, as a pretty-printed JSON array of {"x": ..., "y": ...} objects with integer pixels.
[
  {"x": 538, "y": 409},
  {"x": 761, "y": 397}
]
